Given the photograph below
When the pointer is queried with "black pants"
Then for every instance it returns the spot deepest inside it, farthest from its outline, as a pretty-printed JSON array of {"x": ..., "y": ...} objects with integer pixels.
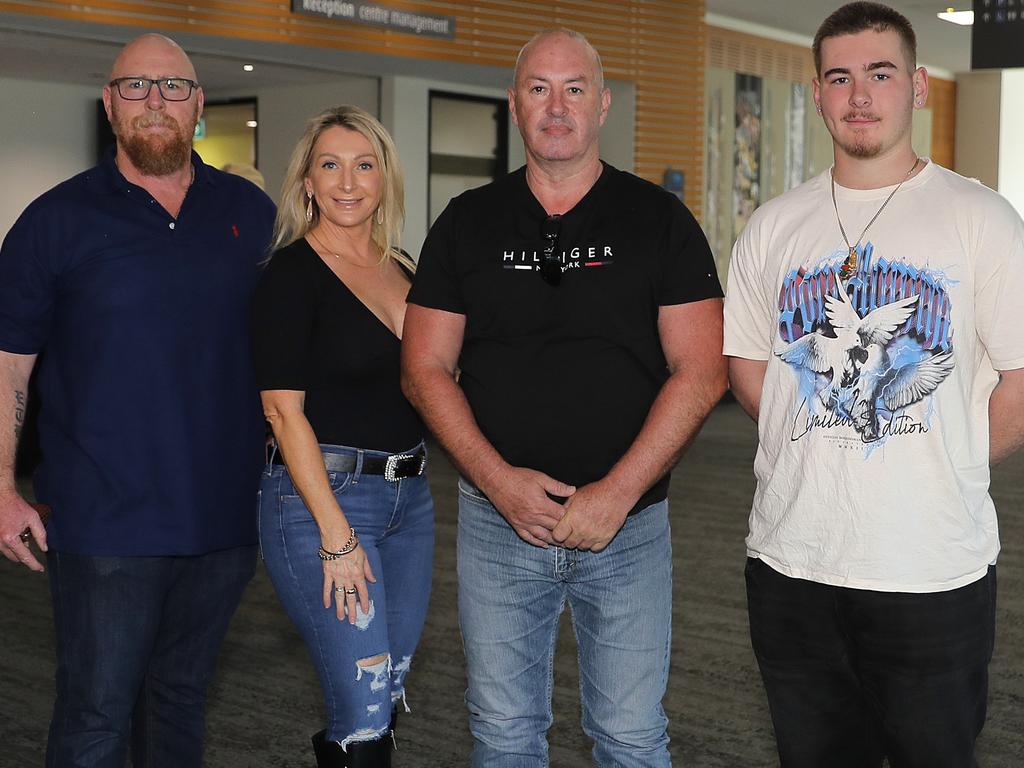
[{"x": 853, "y": 675}]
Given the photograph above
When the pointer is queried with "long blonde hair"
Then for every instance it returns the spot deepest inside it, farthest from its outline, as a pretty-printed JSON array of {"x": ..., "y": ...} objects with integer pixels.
[{"x": 291, "y": 222}]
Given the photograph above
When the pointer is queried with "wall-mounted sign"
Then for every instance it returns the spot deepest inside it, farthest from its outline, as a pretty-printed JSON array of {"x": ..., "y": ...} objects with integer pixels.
[
  {"x": 379, "y": 15},
  {"x": 997, "y": 33}
]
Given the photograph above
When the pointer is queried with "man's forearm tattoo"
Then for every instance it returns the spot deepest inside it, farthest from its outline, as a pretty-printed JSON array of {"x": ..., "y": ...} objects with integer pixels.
[{"x": 19, "y": 412}]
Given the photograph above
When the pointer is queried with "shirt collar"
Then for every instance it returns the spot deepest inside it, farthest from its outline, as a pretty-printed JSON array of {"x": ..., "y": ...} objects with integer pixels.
[{"x": 108, "y": 178}]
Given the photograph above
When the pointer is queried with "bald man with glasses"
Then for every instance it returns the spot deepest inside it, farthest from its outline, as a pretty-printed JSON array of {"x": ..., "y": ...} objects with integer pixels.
[{"x": 128, "y": 287}]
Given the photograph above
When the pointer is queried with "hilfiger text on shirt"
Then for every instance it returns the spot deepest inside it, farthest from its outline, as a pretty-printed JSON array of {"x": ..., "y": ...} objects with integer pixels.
[{"x": 574, "y": 258}]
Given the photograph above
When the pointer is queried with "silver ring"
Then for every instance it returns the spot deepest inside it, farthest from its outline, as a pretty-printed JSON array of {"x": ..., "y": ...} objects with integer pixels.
[
  {"x": 25, "y": 537},
  {"x": 339, "y": 589},
  {"x": 351, "y": 591}
]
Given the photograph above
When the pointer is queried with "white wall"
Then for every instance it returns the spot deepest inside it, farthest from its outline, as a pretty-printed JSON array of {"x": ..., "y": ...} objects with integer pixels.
[
  {"x": 405, "y": 110},
  {"x": 47, "y": 134},
  {"x": 282, "y": 112},
  {"x": 618, "y": 136},
  {"x": 1011, "y": 147},
  {"x": 989, "y": 115}
]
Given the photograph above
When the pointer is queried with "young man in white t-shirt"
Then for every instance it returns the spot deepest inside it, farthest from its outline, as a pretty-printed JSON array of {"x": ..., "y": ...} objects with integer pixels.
[{"x": 873, "y": 328}]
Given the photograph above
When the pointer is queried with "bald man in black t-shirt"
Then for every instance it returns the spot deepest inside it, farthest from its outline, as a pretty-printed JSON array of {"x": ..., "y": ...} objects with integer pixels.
[{"x": 582, "y": 307}]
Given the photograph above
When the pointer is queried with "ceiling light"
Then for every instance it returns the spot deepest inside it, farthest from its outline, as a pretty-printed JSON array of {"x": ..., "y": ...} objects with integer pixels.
[
  {"x": 250, "y": 123},
  {"x": 250, "y": 67},
  {"x": 964, "y": 18}
]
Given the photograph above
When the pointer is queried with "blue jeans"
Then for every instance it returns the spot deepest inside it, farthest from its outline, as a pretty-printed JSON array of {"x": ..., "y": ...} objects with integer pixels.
[
  {"x": 853, "y": 675},
  {"x": 511, "y": 595},
  {"x": 395, "y": 522},
  {"x": 137, "y": 642}
]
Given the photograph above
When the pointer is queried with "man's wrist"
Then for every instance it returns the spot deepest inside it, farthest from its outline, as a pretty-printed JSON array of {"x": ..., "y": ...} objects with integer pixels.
[
  {"x": 488, "y": 476},
  {"x": 621, "y": 488}
]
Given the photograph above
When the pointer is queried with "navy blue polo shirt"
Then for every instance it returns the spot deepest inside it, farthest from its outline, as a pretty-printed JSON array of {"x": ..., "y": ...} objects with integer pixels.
[{"x": 150, "y": 422}]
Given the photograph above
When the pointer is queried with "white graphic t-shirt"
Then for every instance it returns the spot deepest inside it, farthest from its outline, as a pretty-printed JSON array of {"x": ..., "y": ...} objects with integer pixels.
[{"x": 872, "y": 466}]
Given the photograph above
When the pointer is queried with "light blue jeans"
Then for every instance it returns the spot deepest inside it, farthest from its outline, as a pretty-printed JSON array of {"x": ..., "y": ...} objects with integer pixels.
[
  {"x": 395, "y": 521},
  {"x": 511, "y": 595}
]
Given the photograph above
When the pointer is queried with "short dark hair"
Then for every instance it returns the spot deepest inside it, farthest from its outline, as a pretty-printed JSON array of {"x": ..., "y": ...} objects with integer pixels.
[{"x": 857, "y": 17}]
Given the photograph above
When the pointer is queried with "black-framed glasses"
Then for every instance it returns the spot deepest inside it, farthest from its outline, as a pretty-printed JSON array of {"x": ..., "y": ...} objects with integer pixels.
[
  {"x": 138, "y": 88},
  {"x": 551, "y": 262}
]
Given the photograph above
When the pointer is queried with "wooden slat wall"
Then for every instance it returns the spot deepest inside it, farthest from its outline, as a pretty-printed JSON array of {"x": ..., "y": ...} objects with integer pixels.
[
  {"x": 942, "y": 99},
  {"x": 760, "y": 56},
  {"x": 656, "y": 44},
  {"x": 770, "y": 58}
]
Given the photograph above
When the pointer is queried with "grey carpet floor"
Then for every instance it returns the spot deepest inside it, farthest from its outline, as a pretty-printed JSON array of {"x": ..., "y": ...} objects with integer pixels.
[{"x": 265, "y": 701}]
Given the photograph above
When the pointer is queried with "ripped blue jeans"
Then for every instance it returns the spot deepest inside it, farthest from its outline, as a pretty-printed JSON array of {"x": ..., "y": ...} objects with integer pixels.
[{"x": 395, "y": 522}]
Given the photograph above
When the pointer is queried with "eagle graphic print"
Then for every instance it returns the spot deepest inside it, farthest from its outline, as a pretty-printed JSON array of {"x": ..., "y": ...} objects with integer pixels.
[{"x": 866, "y": 350}]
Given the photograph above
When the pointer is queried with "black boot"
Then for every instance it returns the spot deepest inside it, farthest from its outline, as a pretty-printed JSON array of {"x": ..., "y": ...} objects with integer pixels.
[
  {"x": 370, "y": 754},
  {"x": 359, "y": 754},
  {"x": 329, "y": 754}
]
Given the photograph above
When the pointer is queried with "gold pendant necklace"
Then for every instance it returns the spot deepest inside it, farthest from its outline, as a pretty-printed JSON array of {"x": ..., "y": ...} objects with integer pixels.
[
  {"x": 322, "y": 246},
  {"x": 850, "y": 265},
  {"x": 338, "y": 256}
]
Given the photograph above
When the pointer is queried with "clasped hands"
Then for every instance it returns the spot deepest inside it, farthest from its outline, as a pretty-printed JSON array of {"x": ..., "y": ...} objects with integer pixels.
[{"x": 589, "y": 518}]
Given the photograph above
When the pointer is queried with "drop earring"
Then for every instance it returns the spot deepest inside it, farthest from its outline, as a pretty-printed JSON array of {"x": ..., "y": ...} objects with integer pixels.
[
  {"x": 309, "y": 209},
  {"x": 380, "y": 215}
]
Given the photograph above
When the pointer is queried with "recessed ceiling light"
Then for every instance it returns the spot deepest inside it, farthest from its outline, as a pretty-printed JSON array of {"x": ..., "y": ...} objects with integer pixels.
[
  {"x": 248, "y": 67},
  {"x": 250, "y": 123},
  {"x": 964, "y": 18}
]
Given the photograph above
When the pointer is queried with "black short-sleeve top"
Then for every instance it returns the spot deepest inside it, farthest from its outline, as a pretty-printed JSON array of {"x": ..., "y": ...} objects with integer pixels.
[
  {"x": 312, "y": 334},
  {"x": 561, "y": 379}
]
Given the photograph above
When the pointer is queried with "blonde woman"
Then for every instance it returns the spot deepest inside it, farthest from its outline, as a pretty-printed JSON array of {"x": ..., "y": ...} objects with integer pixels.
[{"x": 346, "y": 518}]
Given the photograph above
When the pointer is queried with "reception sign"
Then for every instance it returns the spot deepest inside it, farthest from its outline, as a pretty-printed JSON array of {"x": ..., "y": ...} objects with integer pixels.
[{"x": 379, "y": 15}]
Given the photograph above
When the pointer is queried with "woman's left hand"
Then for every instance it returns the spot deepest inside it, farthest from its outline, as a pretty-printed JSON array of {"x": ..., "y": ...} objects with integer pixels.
[{"x": 346, "y": 578}]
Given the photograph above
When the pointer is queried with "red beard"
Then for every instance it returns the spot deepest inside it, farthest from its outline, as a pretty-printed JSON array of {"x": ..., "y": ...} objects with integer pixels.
[{"x": 154, "y": 154}]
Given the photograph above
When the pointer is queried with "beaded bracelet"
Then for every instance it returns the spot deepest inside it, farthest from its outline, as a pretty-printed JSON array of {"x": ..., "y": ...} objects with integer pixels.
[{"x": 347, "y": 548}]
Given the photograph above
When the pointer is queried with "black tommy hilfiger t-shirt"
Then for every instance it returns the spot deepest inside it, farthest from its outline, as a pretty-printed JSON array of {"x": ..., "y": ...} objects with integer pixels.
[{"x": 560, "y": 379}]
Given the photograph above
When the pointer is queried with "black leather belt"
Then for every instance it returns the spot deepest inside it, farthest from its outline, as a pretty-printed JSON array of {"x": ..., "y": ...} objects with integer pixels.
[{"x": 393, "y": 467}]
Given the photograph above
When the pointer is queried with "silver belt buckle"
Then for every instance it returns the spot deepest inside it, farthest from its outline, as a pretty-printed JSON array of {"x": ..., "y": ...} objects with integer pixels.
[{"x": 391, "y": 465}]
